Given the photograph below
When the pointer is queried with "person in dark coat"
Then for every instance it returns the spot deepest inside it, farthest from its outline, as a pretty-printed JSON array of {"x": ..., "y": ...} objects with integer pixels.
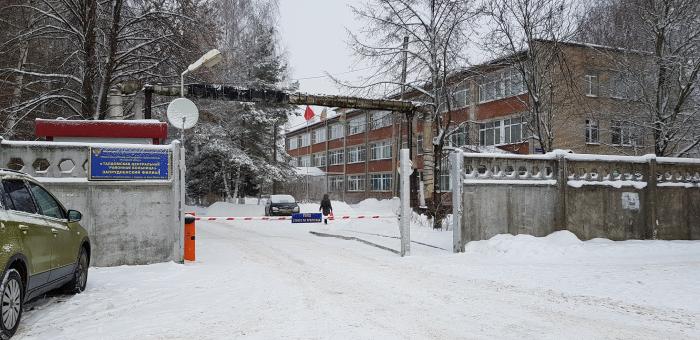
[{"x": 326, "y": 208}]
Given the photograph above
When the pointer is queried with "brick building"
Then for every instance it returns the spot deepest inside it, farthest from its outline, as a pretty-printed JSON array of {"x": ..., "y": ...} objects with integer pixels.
[{"x": 358, "y": 149}]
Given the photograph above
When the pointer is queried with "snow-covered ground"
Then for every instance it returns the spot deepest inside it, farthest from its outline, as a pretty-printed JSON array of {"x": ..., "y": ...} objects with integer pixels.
[{"x": 274, "y": 280}]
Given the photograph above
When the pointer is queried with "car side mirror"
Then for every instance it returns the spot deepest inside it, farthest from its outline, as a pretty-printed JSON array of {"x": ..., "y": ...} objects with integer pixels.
[{"x": 74, "y": 216}]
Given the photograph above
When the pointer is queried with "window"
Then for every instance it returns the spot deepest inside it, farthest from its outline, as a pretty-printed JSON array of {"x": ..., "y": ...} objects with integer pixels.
[
  {"x": 507, "y": 131},
  {"x": 319, "y": 159},
  {"x": 48, "y": 205},
  {"x": 357, "y": 125},
  {"x": 293, "y": 143},
  {"x": 335, "y": 183},
  {"x": 318, "y": 136},
  {"x": 305, "y": 139},
  {"x": 380, "y": 119},
  {"x": 305, "y": 161},
  {"x": 461, "y": 98},
  {"x": 357, "y": 154},
  {"x": 459, "y": 137},
  {"x": 624, "y": 133},
  {"x": 380, "y": 150},
  {"x": 20, "y": 198},
  {"x": 591, "y": 85},
  {"x": 419, "y": 144},
  {"x": 592, "y": 131},
  {"x": 501, "y": 84},
  {"x": 335, "y": 157},
  {"x": 620, "y": 86},
  {"x": 335, "y": 131},
  {"x": 445, "y": 184},
  {"x": 380, "y": 182},
  {"x": 356, "y": 183}
]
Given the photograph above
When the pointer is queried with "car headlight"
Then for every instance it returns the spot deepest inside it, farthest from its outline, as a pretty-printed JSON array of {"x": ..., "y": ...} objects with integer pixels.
[
  {"x": 296, "y": 209},
  {"x": 275, "y": 208}
]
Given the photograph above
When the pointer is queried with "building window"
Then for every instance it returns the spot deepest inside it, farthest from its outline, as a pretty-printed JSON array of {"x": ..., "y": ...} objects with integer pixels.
[
  {"x": 305, "y": 161},
  {"x": 319, "y": 159},
  {"x": 507, "y": 131},
  {"x": 624, "y": 133},
  {"x": 501, "y": 84},
  {"x": 318, "y": 136},
  {"x": 445, "y": 184},
  {"x": 461, "y": 98},
  {"x": 591, "y": 85},
  {"x": 356, "y": 183},
  {"x": 335, "y": 183},
  {"x": 380, "y": 150},
  {"x": 293, "y": 143},
  {"x": 305, "y": 139},
  {"x": 380, "y": 119},
  {"x": 356, "y": 154},
  {"x": 357, "y": 125},
  {"x": 380, "y": 182},
  {"x": 335, "y": 157},
  {"x": 419, "y": 144},
  {"x": 592, "y": 131},
  {"x": 459, "y": 137},
  {"x": 335, "y": 131}
]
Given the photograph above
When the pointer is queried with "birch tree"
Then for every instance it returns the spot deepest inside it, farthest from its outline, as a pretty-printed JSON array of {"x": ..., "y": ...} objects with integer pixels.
[{"x": 437, "y": 38}]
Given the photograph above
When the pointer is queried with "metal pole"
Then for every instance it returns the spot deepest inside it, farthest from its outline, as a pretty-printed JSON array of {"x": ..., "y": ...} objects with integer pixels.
[
  {"x": 182, "y": 83},
  {"x": 456, "y": 171},
  {"x": 405, "y": 218}
]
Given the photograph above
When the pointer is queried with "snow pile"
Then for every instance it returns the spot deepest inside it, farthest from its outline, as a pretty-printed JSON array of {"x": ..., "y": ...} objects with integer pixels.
[
  {"x": 557, "y": 244},
  {"x": 339, "y": 208},
  {"x": 375, "y": 206}
]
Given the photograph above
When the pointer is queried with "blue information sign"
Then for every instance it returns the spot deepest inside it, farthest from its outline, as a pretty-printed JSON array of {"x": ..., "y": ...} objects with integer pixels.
[
  {"x": 129, "y": 164},
  {"x": 307, "y": 218}
]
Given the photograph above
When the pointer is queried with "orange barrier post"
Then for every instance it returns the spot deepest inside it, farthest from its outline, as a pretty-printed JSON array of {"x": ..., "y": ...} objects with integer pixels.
[{"x": 189, "y": 237}]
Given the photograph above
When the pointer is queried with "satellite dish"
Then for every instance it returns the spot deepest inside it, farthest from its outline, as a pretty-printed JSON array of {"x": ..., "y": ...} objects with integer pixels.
[{"x": 182, "y": 113}]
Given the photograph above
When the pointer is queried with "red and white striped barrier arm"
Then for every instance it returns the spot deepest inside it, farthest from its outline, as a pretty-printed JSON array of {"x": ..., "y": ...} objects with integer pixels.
[{"x": 283, "y": 218}]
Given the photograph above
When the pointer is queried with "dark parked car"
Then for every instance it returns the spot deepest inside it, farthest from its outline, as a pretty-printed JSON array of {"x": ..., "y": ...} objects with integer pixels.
[{"x": 284, "y": 205}]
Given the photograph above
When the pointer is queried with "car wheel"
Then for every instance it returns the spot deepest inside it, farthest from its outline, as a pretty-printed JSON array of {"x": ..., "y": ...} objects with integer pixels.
[
  {"x": 79, "y": 281},
  {"x": 11, "y": 302}
]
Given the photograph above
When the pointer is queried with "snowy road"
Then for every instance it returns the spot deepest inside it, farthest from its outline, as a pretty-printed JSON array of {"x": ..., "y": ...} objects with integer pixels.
[{"x": 273, "y": 280}]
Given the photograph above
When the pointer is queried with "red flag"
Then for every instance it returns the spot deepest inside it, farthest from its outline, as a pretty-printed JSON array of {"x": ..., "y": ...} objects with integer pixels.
[{"x": 309, "y": 113}]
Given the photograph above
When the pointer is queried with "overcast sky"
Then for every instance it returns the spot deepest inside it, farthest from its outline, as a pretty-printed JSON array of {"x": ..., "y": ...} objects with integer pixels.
[{"x": 314, "y": 35}]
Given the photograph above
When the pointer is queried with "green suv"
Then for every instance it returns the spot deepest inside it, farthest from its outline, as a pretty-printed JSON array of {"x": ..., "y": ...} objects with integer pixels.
[{"x": 42, "y": 246}]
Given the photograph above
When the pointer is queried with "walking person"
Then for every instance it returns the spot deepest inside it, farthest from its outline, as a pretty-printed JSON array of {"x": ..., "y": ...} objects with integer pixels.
[{"x": 326, "y": 208}]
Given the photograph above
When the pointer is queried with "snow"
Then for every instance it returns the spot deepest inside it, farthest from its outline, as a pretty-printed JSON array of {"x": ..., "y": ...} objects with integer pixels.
[
  {"x": 512, "y": 181},
  {"x": 615, "y": 184},
  {"x": 273, "y": 280},
  {"x": 94, "y": 145},
  {"x": 309, "y": 171}
]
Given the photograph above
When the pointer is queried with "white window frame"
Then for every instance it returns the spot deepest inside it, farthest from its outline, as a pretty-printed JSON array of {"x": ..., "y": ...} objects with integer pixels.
[
  {"x": 293, "y": 143},
  {"x": 319, "y": 135},
  {"x": 592, "y": 131},
  {"x": 336, "y": 183},
  {"x": 356, "y": 183},
  {"x": 380, "y": 119},
  {"x": 462, "y": 131},
  {"x": 356, "y": 154},
  {"x": 335, "y": 131},
  {"x": 305, "y": 161},
  {"x": 357, "y": 125},
  {"x": 383, "y": 150},
  {"x": 444, "y": 184},
  {"x": 419, "y": 144},
  {"x": 629, "y": 134},
  {"x": 591, "y": 83},
  {"x": 335, "y": 157},
  {"x": 501, "y": 84},
  {"x": 319, "y": 159},
  {"x": 500, "y": 128},
  {"x": 305, "y": 139},
  {"x": 384, "y": 180}
]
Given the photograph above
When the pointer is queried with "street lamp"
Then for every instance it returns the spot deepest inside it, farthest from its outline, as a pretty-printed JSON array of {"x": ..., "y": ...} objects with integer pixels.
[{"x": 210, "y": 59}]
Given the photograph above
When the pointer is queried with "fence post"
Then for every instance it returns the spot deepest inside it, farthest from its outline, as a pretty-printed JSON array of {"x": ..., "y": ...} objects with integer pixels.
[
  {"x": 456, "y": 170},
  {"x": 562, "y": 179},
  {"x": 651, "y": 201},
  {"x": 405, "y": 218}
]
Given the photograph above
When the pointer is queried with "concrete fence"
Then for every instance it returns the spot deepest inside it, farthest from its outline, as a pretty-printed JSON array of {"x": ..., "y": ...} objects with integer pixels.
[
  {"x": 129, "y": 222},
  {"x": 592, "y": 196}
]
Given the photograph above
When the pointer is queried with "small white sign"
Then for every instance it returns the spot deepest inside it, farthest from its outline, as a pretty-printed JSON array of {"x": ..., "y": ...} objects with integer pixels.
[{"x": 630, "y": 201}]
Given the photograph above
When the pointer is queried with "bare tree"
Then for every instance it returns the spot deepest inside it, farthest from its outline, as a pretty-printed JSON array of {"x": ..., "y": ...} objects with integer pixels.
[
  {"x": 526, "y": 35},
  {"x": 437, "y": 33},
  {"x": 661, "y": 78}
]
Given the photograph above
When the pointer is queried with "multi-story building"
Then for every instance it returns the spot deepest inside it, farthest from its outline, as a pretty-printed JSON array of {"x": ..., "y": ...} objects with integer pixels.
[{"x": 358, "y": 149}]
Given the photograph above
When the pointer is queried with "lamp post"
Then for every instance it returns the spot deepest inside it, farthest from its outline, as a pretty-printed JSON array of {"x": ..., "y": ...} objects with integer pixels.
[{"x": 209, "y": 59}]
